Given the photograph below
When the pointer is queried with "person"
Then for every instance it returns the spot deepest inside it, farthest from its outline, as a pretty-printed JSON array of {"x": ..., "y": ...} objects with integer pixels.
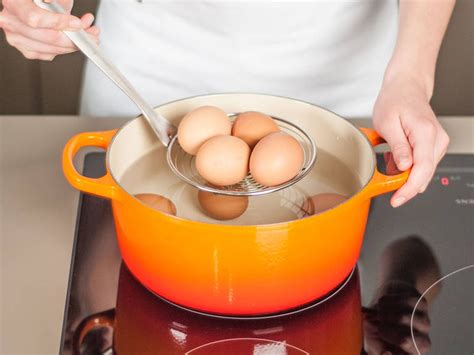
[{"x": 355, "y": 58}]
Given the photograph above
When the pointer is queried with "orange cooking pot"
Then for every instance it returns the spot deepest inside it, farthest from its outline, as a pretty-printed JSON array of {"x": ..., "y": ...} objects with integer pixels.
[{"x": 238, "y": 267}]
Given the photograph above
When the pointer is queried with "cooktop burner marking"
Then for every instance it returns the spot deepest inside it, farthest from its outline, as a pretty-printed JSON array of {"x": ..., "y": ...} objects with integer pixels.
[
  {"x": 270, "y": 341},
  {"x": 424, "y": 294}
]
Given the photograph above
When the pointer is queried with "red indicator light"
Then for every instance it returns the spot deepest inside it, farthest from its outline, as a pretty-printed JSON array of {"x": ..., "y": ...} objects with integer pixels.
[{"x": 444, "y": 181}]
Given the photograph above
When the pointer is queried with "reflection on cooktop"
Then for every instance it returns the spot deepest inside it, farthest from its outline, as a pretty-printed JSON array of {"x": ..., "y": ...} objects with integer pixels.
[
  {"x": 335, "y": 326},
  {"x": 405, "y": 251},
  {"x": 429, "y": 237}
]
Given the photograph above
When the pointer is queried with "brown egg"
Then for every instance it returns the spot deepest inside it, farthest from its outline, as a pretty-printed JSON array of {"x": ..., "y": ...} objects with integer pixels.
[
  {"x": 222, "y": 207},
  {"x": 322, "y": 202},
  {"x": 252, "y": 126},
  {"x": 199, "y": 125},
  {"x": 158, "y": 203},
  {"x": 276, "y": 159},
  {"x": 223, "y": 160}
]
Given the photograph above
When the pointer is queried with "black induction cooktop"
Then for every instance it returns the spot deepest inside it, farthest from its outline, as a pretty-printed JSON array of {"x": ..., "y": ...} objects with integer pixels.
[{"x": 406, "y": 252}]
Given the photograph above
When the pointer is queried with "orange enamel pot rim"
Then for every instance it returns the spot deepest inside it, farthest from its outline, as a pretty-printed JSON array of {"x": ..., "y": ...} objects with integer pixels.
[{"x": 378, "y": 183}]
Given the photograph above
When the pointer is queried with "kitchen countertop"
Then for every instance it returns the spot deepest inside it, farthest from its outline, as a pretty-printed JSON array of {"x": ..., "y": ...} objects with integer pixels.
[{"x": 38, "y": 212}]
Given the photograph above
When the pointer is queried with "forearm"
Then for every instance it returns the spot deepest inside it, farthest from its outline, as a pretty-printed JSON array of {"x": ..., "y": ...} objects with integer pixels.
[{"x": 422, "y": 26}]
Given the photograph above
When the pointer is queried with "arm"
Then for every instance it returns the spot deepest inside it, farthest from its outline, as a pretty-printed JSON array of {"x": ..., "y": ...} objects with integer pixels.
[{"x": 402, "y": 113}]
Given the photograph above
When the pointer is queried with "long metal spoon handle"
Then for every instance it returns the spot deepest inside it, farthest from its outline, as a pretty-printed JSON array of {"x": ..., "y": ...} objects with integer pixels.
[{"x": 162, "y": 127}]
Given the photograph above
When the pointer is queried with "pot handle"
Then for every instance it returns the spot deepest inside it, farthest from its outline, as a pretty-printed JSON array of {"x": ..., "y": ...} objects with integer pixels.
[
  {"x": 381, "y": 183},
  {"x": 94, "y": 321},
  {"x": 104, "y": 186}
]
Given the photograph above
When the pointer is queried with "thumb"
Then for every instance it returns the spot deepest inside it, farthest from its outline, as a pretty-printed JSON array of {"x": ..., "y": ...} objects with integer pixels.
[{"x": 399, "y": 146}]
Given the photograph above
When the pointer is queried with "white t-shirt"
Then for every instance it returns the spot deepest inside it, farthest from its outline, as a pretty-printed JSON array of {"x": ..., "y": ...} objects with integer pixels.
[{"x": 331, "y": 53}]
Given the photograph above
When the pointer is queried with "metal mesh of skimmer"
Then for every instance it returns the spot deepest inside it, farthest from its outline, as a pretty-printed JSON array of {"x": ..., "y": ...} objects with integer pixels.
[{"x": 184, "y": 167}]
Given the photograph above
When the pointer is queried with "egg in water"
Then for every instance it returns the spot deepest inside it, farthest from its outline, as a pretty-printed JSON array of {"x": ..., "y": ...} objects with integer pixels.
[
  {"x": 222, "y": 207},
  {"x": 322, "y": 202},
  {"x": 157, "y": 202}
]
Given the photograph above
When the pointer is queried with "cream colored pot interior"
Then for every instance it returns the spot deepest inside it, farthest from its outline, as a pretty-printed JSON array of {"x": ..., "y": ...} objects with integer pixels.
[{"x": 345, "y": 159}]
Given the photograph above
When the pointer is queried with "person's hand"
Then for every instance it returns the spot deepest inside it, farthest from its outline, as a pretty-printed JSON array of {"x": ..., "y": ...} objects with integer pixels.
[
  {"x": 404, "y": 118},
  {"x": 36, "y": 32},
  {"x": 387, "y": 323}
]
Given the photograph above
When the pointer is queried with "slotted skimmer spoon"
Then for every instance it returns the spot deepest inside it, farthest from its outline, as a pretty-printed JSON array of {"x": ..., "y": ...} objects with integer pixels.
[{"x": 181, "y": 163}]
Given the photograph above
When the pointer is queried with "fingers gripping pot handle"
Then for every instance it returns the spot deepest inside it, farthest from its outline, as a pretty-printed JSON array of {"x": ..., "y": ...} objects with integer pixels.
[{"x": 381, "y": 183}]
